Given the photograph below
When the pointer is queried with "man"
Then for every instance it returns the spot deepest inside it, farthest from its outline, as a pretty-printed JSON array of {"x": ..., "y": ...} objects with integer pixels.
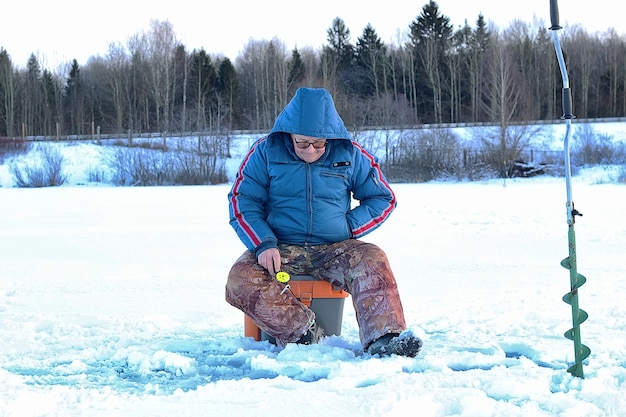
[{"x": 291, "y": 205}]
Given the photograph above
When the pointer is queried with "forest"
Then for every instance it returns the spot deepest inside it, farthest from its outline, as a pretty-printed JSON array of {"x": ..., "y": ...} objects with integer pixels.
[{"x": 434, "y": 74}]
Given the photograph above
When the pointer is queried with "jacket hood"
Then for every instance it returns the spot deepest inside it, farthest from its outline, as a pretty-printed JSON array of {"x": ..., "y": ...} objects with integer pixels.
[{"x": 311, "y": 112}]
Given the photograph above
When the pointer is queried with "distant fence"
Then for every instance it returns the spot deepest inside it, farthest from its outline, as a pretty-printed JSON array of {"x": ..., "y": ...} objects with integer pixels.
[
  {"x": 130, "y": 136},
  {"x": 123, "y": 136}
]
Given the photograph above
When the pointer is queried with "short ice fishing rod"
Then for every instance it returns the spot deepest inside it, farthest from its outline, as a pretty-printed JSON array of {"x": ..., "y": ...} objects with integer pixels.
[{"x": 581, "y": 352}]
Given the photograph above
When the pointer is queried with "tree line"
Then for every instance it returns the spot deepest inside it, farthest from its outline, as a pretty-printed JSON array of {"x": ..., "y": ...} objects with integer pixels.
[{"x": 434, "y": 73}]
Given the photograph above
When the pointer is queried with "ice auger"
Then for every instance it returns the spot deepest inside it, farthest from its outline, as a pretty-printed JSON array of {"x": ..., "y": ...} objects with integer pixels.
[{"x": 581, "y": 352}]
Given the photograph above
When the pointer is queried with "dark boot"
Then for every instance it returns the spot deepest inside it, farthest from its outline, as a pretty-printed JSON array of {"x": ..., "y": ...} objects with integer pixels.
[{"x": 404, "y": 344}]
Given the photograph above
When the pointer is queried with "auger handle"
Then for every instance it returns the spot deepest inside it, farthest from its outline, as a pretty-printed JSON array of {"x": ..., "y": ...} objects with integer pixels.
[
  {"x": 554, "y": 15},
  {"x": 567, "y": 93}
]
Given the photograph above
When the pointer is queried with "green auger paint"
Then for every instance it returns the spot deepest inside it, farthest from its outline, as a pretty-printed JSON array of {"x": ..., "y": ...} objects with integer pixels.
[{"x": 581, "y": 352}]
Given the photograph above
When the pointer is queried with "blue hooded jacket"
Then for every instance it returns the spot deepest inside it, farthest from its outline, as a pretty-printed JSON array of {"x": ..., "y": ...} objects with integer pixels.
[{"x": 279, "y": 198}]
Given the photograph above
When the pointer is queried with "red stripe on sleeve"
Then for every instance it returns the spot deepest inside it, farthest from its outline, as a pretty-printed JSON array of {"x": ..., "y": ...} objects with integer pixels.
[
  {"x": 376, "y": 221},
  {"x": 245, "y": 226}
]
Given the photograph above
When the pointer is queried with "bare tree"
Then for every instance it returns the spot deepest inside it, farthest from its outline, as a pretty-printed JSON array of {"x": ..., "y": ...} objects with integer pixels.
[
  {"x": 614, "y": 81},
  {"x": 7, "y": 94},
  {"x": 139, "y": 106},
  {"x": 409, "y": 80},
  {"x": 455, "y": 59},
  {"x": 264, "y": 77},
  {"x": 583, "y": 64},
  {"x": 161, "y": 44},
  {"x": 504, "y": 144},
  {"x": 311, "y": 62},
  {"x": 544, "y": 64},
  {"x": 502, "y": 91},
  {"x": 118, "y": 67},
  {"x": 476, "y": 63}
]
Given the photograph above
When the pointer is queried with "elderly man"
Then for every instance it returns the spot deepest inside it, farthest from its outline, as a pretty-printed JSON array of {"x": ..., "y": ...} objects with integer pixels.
[{"x": 291, "y": 205}]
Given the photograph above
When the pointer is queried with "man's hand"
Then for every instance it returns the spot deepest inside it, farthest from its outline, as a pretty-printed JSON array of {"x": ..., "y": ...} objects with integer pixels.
[{"x": 270, "y": 260}]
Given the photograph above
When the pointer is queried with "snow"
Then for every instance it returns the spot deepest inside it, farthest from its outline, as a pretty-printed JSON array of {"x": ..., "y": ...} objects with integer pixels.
[{"x": 112, "y": 304}]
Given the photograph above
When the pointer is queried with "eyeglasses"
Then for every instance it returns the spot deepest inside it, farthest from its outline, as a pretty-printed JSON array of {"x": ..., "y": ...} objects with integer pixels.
[{"x": 303, "y": 144}]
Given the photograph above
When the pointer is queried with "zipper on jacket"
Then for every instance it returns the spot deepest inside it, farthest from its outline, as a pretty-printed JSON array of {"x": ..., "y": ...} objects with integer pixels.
[
  {"x": 334, "y": 174},
  {"x": 309, "y": 198}
]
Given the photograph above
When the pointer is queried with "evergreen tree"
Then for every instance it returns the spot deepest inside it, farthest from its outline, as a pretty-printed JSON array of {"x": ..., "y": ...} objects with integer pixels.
[
  {"x": 74, "y": 100},
  {"x": 430, "y": 35},
  {"x": 457, "y": 58},
  {"x": 31, "y": 105},
  {"x": 338, "y": 36},
  {"x": 139, "y": 112},
  {"x": 337, "y": 57},
  {"x": 228, "y": 89},
  {"x": 50, "y": 107},
  {"x": 296, "y": 70},
  {"x": 475, "y": 63},
  {"x": 180, "y": 80},
  {"x": 202, "y": 87},
  {"x": 370, "y": 64}
]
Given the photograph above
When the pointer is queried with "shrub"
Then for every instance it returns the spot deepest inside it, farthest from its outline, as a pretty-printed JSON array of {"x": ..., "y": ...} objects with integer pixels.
[
  {"x": 189, "y": 164},
  {"x": 425, "y": 156},
  {"x": 12, "y": 146},
  {"x": 45, "y": 170},
  {"x": 589, "y": 147},
  {"x": 503, "y": 147},
  {"x": 621, "y": 176}
]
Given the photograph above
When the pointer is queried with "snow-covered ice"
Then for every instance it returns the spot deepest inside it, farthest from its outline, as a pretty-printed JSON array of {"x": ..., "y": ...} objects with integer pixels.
[{"x": 112, "y": 304}]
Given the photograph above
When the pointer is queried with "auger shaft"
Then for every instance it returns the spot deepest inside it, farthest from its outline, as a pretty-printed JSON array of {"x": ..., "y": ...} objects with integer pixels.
[{"x": 581, "y": 352}]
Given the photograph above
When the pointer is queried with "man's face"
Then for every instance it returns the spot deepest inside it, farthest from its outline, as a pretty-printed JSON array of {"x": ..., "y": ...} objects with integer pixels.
[{"x": 308, "y": 148}]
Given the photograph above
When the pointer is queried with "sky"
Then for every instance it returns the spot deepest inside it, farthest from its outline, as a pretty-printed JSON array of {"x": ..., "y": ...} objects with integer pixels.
[{"x": 57, "y": 32}]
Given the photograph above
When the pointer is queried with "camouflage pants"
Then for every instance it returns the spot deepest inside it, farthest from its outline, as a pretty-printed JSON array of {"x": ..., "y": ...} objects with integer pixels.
[{"x": 360, "y": 268}]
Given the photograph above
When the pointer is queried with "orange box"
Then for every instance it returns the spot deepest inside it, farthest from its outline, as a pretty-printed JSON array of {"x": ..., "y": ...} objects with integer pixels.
[{"x": 322, "y": 297}]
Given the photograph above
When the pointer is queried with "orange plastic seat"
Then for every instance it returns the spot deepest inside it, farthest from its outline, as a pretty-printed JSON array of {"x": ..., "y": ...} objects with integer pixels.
[{"x": 322, "y": 297}]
